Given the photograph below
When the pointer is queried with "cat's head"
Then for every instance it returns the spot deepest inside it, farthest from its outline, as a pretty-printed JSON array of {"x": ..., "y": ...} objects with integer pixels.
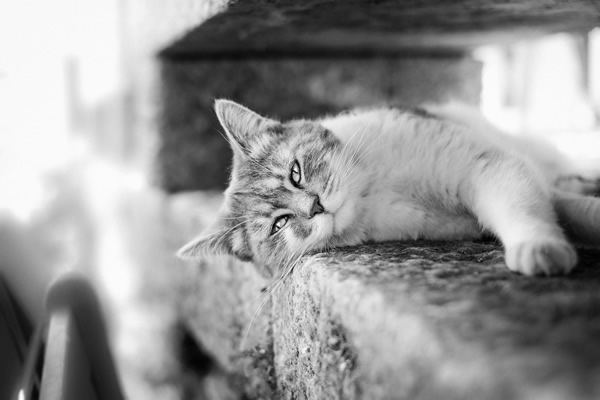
[{"x": 293, "y": 189}]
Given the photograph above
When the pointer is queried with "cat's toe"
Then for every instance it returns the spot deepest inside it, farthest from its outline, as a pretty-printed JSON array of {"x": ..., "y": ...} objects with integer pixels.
[{"x": 541, "y": 257}]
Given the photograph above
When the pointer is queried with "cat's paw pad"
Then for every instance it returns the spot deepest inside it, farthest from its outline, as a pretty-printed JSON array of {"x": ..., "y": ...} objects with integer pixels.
[{"x": 541, "y": 257}]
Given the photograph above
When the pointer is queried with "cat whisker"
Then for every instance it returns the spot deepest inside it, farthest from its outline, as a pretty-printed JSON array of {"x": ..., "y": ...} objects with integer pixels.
[
  {"x": 252, "y": 320},
  {"x": 359, "y": 148},
  {"x": 368, "y": 150},
  {"x": 354, "y": 149},
  {"x": 344, "y": 149},
  {"x": 347, "y": 147},
  {"x": 344, "y": 160},
  {"x": 211, "y": 249},
  {"x": 352, "y": 163},
  {"x": 296, "y": 257}
]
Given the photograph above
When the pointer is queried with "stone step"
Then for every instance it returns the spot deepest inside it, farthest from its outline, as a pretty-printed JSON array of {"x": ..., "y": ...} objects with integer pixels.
[
  {"x": 418, "y": 320},
  {"x": 366, "y": 28}
]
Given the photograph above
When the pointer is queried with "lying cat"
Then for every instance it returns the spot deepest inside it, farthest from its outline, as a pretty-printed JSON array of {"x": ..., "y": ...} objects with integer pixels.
[{"x": 391, "y": 174}]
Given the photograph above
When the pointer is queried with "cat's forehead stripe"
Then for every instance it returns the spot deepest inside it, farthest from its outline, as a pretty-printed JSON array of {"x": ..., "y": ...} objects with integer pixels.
[{"x": 271, "y": 183}]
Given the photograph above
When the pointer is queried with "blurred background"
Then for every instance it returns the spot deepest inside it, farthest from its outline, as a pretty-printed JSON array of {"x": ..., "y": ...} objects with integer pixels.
[{"x": 79, "y": 133}]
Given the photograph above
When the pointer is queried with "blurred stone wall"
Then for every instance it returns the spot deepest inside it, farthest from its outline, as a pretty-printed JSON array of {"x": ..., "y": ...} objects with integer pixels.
[{"x": 193, "y": 153}]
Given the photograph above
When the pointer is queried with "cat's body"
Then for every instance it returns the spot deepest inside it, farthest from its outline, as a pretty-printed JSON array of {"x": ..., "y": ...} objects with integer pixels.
[
  {"x": 391, "y": 174},
  {"x": 409, "y": 175}
]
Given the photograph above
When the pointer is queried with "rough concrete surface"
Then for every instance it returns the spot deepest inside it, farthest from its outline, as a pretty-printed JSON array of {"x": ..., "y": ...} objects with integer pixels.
[
  {"x": 437, "y": 320},
  {"x": 416, "y": 320},
  {"x": 193, "y": 153}
]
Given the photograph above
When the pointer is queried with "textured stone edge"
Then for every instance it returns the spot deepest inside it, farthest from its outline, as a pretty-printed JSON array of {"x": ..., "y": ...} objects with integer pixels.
[
  {"x": 451, "y": 342},
  {"x": 452, "y": 322}
]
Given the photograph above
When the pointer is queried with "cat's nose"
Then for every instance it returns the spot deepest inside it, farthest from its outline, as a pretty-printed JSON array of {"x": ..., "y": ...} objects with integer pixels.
[{"x": 316, "y": 208}]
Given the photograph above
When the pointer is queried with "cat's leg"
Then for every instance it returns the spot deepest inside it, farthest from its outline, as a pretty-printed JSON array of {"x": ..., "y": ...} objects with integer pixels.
[
  {"x": 508, "y": 199},
  {"x": 578, "y": 184},
  {"x": 580, "y": 216}
]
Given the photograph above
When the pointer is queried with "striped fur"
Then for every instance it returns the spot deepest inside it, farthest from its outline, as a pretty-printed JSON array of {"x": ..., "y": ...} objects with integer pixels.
[
  {"x": 390, "y": 174},
  {"x": 260, "y": 189}
]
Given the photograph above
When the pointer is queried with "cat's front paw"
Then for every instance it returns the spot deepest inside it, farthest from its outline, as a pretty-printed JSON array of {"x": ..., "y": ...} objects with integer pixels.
[{"x": 541, "y": 257}]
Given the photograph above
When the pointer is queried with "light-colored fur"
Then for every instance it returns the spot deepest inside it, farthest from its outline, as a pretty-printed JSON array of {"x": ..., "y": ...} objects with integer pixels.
[{"x": 389, "y": 174}]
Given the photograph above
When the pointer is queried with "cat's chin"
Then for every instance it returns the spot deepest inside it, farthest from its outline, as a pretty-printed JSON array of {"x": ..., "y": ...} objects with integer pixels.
[
  {"x": 344, "y": 216},
  {"x": 325, "y": 227}
]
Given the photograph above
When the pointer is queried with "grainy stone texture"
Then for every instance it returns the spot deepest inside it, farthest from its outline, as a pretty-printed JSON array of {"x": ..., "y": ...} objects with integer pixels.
[
  {"x": 437, "y": 320},
  {"x": 193, "y": 153},
  {"x": 418, "y": 320}
]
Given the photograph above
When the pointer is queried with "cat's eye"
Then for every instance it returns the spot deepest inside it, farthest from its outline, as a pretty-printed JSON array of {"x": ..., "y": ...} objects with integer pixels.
[
  {"x": 295, "y": 175},
  {"x": 279, "y": 223}
]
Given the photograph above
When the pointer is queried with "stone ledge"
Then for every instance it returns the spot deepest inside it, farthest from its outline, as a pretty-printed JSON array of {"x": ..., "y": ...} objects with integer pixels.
[
  {"x": 267, "y": 28},
  {"x": 437, "y": 320},
  {"x": 419, "y": 320}
]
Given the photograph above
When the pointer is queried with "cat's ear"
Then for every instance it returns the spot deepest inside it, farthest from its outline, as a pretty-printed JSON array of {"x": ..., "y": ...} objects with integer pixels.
[
  {"x": 222, "y": 237},
  {"x": 245, "y": 128}
]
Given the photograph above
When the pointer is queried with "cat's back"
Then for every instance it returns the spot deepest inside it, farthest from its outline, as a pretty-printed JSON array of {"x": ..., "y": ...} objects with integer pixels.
[
  {"x": 395, "y": 124},
  {"x": 347, "y": 125},
  {"x": 401, "y": 140},
  {"x": 415, "y": 164},
  {"x": 459, "y": 128},
  {"x": 540, "y": 153}
]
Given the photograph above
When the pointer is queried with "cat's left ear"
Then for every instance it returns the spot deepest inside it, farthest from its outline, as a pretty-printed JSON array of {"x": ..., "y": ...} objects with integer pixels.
[
  {"x": 222, "y": 237},
  {"x": 245, "y": 128}
]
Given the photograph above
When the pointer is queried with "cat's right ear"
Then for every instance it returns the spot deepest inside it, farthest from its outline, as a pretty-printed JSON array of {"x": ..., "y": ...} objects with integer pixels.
[{"x": 245, "y": 128}]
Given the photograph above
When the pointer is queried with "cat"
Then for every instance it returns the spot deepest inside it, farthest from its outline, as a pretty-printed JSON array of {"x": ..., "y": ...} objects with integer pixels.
[{"x": 441, "y": 172}]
